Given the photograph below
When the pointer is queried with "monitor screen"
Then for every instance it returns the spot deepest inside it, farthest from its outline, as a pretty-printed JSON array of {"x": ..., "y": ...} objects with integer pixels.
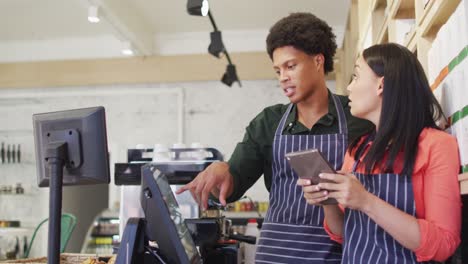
[
  {"x": 164, "y": 222},
  {"x": 84, "y": 132}
]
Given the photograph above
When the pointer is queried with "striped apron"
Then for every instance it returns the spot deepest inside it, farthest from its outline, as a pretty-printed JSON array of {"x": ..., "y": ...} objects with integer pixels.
[
  {"x": 364, "y": 240},
  {"x": 293, "y": 230}
]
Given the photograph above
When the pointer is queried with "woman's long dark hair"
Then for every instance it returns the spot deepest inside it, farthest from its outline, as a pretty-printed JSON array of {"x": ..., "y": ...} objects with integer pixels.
[{"x": 408, "y": 106}]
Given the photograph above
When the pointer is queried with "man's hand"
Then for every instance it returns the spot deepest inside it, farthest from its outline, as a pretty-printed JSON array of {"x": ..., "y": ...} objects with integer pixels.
[{"x": 215, "y": 179}]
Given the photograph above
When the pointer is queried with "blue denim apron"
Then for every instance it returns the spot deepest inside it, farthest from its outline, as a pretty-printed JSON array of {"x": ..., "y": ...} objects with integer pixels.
[
  {"x": 364, "y": 240},
  {"x": 293, "y": 230}
]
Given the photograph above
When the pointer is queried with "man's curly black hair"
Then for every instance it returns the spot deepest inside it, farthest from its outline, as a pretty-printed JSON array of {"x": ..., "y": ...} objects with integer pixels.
[{"x": 305, "y": 32}]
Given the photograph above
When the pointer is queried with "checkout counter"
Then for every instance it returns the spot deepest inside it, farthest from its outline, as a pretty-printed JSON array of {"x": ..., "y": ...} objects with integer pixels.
[{"x": 166, "y": 228}]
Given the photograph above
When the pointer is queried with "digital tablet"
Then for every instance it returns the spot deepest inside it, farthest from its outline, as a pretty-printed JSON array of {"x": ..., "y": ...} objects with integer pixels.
[{"x": 308, "y": 164}]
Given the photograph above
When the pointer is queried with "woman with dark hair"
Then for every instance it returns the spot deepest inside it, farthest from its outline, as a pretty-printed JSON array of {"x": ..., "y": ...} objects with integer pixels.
[{"x": 398, "y": 193}]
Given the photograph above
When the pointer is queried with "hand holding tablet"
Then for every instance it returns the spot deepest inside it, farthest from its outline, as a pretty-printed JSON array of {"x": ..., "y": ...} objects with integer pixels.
[{"x": 308, "y": 164}]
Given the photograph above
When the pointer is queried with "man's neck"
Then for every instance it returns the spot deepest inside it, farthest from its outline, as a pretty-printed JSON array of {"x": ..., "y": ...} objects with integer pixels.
[{"x": 312, "y": 109}]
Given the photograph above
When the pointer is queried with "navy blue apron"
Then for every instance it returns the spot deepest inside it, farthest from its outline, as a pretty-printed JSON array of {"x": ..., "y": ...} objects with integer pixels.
[
  {"x": 364, "y": 240},
  {"x": 293, "y": 230}
]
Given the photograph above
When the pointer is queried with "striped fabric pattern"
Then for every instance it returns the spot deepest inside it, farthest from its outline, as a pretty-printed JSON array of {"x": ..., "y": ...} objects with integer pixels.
[
  {"x": 293, "y": 230},
  {"x": 364, "y": 240}
]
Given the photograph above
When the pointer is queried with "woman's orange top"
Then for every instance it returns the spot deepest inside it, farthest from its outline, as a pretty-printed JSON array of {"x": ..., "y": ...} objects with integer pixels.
[{"x": 436, "y": 193}]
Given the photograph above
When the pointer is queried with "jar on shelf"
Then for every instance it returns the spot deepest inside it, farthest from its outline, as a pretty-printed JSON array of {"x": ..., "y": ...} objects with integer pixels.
[{"x": 19, "y": 189}]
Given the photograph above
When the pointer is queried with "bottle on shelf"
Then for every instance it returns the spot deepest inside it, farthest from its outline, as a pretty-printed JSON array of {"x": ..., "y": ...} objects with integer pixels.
[
  {"x": 180, "y": 155},
  {"x": 19, "y": 189},
  {"x": 103, "y": 234},
  {"x": 25, "y": 245},
  {"x": 2, "y": 152},
  {"x": 161, "y": 153},
  {"x": 197, "y": 154},
  {"x": 249, "y": 249},
  {"x": 8, "y": 153},
  {"x": 18, "y": 158},
  {"x": 13, "y": 153}
]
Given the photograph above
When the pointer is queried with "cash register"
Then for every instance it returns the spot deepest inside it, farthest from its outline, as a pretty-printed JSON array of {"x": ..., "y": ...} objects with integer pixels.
[{"x": 162, "y": 234}]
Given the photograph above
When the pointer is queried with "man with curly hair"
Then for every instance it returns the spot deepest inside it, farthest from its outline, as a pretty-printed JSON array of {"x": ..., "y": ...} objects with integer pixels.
[{"x": 301, "y": 47}]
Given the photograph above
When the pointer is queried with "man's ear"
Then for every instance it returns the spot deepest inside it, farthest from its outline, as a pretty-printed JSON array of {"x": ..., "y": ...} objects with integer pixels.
[
  {"x": 381, "y": 86},
  {"x": 320, "y": 61}
]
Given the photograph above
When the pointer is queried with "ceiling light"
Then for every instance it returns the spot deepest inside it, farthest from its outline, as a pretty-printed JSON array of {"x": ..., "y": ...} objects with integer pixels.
[
  {"x": 230, "y": 76},
  {"x": 127, "y": 48},
  {"x": 198, "y": 7},
  {"x": 93, "y": 14},
  {"x": 216, "y": 45}
]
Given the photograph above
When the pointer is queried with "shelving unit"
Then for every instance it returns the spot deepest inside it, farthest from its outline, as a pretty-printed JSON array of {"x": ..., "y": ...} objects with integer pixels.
[
  {"x": 103, "y": 234},
  {"x": 8, "y": 236},
  {"x": 14, "y": 195},
  {"x": 375, "y": 21},
  {"x": 380, "y": 21},
  {"x": 432, "y": 18},
  {"x": 251, "y": 214},
  {"x": 410, "y": 40}
]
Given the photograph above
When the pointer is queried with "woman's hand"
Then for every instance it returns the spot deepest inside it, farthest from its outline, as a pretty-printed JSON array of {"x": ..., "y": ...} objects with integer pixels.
[
  {"x": 312, "y": 193},
  {"x": 346, "y": 189}
]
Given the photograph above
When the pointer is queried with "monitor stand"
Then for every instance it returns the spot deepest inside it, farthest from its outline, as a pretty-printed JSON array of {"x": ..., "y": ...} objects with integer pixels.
[
  {"x": 56, "y": 156},
  {"x": 63, "y": 149},
  {"x": 134, "y": 247}
]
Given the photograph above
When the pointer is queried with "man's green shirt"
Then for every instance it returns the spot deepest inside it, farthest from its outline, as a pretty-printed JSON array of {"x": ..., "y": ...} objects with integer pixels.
[{"x": 253, "y": 156}]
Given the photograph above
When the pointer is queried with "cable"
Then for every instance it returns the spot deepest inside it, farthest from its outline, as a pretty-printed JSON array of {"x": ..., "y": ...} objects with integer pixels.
[
  {"x": 233, "y": 71},
  {"x": 212, "y": 21},
  {"x": 215, "y": 28},
  {"x": 154, "y": 254}
]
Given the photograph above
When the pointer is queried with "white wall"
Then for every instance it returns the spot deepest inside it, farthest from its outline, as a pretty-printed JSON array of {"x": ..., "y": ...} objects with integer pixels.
[{"x": 207, "y": 112}]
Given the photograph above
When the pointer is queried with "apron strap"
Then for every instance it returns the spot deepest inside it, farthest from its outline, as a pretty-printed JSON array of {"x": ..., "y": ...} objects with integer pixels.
[
  {"x": 341, "y": 115},
  {"x": 343, "y": 126},
  {"x": 279, "y": 129},
  {"x": 359, "y": 155}
]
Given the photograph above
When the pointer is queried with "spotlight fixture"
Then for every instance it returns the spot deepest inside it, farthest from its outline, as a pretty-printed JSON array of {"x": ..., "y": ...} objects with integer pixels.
[
  {"x": 216, "y": 45},
  {"x": 230, "y": 76},
  {"x": 198, "y": 7},
  {"x": 93, "y": 14},
  {"x": 127, "y": 48}
]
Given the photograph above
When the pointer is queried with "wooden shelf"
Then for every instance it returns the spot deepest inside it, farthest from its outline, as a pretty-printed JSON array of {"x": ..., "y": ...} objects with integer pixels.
[
  {"x": 382, "y": 37},
  {"x": 379, "y": 22},
  {"x": 363, "y": 15},
  {"x": 401, "y": 9},
  {"x": 247, "y": 214},
  {"x": 463, "y": 179},
  {"x": 19, "y": 196},
  {"x": 410, "y": 40},
  {"x": 433, "y": 17},
  {"x": 436, "y": 13},
  {"x": 385, "y": 22},
  {"x": 15, "y": 231},
  {"x": 375, "y": 4},
  {"x": 115, "y": 71}
]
